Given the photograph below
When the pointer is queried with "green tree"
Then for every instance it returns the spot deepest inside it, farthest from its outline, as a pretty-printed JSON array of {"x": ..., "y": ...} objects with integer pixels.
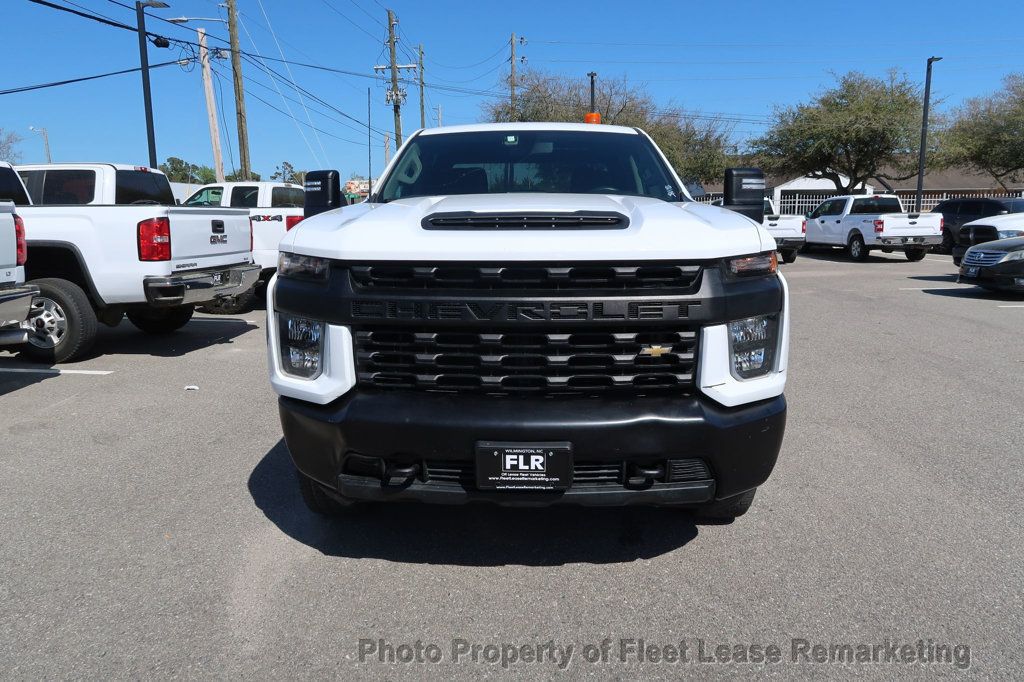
[
  {"x": 287, "y": 173},
  {"x": 694, "y": 145},
  {"x": 862, "y": 128},
  {"x": 987, "y": 134},
  {"x": 179, "y": 170},
  {"x": 8, "y": 146},
  {"x": 236, "y": 176}
]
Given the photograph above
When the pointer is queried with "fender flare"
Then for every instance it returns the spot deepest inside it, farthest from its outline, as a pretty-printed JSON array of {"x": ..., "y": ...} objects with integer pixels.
[{"x": 90, "y": 286}]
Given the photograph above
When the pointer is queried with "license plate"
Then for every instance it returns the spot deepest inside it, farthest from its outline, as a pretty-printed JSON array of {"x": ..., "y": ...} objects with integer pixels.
[
  {"x": 523, "y": 466},
  {"x": 218, "y": 278},
  {"x": 971, "y": 271}
]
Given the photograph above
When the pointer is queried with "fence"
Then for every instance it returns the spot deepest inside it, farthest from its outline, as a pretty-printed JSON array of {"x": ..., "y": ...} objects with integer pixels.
[{"x": 801, "y": 202}]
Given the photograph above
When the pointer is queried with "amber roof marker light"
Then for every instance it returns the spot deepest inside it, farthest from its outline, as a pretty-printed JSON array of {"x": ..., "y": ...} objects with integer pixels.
[{"x": 592, "y": 116}]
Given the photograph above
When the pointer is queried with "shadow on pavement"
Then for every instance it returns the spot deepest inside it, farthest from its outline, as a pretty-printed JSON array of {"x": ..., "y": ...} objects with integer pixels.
[
  {"x": 970, "y": 291},
  {"x": 11, "y": 381},
  {"x": 950, "y": 278},
  {"x": 477, "y": 535},
  {"x": 839, "y": 256},
  {"x": 201, "y": 332}
]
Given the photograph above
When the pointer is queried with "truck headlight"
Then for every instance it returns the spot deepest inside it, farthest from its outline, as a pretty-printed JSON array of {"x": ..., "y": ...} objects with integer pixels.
[
  {"x": 302, "y": 346},
  {"x": 752, "y": 266},
  {"x": 752, "y": 344},
  {"x": 302, "y": 267},
  {"x": 1010, "y": 234}
]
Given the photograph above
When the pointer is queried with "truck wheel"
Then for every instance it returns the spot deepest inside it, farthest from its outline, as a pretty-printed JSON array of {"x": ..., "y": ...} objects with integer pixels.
[
  {"x": 318, "y": 501},
  {"x": 727, "y": 509},
  {"x": 789, "y": 256},
  {"x": 232, "y": 305},
  {"x": 856, "y": 248},
  {"x": 957, "y": 260},
  {"x": 161, "y": 320},
  {"x": 62, "y": 322},
  {"x": 947, "y": 241},
  {"x": 914, "y": 255}
]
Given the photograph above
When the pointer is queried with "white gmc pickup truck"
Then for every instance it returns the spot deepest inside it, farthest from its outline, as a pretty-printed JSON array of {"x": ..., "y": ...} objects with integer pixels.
[
  {"x": 106, "y": 241},
  {"x": 531, "y": 314},
  {"x": 863, "y": 223},
  {"x": 788, "y": 231},
  {"x": 15, "y": 297}
]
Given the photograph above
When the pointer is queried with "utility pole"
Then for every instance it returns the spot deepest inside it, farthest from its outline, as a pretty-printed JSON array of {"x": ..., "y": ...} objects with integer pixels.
[
  {"x": 924, "y": 133},
  {"x": 397, "y": 103},
  {"x": 387, "y": 148},
  {"x": 369, "y": 148},
  {"x": 512, "y": 79},
  {"x": 147, "y": 98},
  {"x": 395, "y": 95},
  {"x": 245, "y": 169},
  {"x": 423, "y": 113},
  {"x": 438, "y": 115},
  {"x": 211, "y": 105}
]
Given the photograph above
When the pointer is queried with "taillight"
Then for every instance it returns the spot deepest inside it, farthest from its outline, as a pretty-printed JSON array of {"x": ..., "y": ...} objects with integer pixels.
[
  {"x": 879, "y": 225},
  {"x": 803, "y": 227},
  {"x": 291, "y": 221},
  {"x": 21, "y": 250},
  {"x": 942, "y": 224},
  {"x": 155, "y": 239}
]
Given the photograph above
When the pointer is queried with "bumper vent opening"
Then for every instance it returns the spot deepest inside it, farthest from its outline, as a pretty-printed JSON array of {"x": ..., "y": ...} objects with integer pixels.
[{"x": 579, "y": 220}]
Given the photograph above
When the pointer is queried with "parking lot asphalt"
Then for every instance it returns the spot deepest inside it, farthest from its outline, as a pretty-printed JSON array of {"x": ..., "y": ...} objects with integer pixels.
[{"x": 151, "y": 530}]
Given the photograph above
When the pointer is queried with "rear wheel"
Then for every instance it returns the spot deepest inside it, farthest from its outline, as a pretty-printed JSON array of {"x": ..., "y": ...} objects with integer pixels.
[
  {"x": 161, "y": 320},
  {"x": 316, "y": 498},
  {"x": 727, "y": 509},
  {"x": 789, "y": 256},
  {"x": 947, "y": 241},
  {"x": 915, "y": 255},
  {"x": 62, "y": 322},
  {"x": 856, "y": 248},
  {"x": 957, "y": 260}
]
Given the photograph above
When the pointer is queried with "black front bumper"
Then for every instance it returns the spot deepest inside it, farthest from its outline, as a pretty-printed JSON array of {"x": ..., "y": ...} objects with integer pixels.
[
  {"x": 738, "y": 445},
  {"x": 1003, "y": 276}
]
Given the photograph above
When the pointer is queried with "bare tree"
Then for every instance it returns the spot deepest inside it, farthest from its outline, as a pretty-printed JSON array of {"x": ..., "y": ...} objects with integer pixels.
[{"x": 8, "y": 143}]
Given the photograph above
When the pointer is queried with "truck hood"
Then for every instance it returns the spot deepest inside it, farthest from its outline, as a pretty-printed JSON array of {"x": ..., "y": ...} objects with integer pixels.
[{"x": 657, "y": 230}]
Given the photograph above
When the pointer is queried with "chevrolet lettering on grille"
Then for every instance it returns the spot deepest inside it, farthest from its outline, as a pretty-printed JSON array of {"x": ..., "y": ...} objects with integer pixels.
[{"x": 500, "y": 311}]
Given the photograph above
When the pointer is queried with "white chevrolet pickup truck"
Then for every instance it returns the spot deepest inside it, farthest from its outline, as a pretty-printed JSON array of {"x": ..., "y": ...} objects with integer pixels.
[
  {"x": 531, "y": 314},
  {"x": 863, "y": 223},
  {"x": 274, "y": 208},
  {"x": 15, "y": 297},
  {"x": 106, "y": 241}
]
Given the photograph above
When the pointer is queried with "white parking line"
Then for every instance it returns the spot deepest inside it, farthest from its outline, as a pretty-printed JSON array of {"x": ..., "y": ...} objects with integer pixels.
[
  {"x": 54, "y": 370},
  {"x": 1011, "y": 306}
]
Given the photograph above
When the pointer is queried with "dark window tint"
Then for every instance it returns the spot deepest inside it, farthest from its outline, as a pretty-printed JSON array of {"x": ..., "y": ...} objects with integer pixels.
[
  {"x": 33, "y": 180},
  {"x": 870, "y": 205},
  {"x": 287, "y": 197},
  {"x": 245, "y": 197},
  {"x": 11, "y": 188},
  {"x": 142, "y": 187},
  {"x": 992, "y": 208},
  {"x": 1014, "y": 205},
  {"x": 831, "y": 207},
  {"x": 207, "y": 196},
  {"x": 550, "y": 161},
  {"x": 972, "y": 208},
  {"x": 74, "y": 187}
]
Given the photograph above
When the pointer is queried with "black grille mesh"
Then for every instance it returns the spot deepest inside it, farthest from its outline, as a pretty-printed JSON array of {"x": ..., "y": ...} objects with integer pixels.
[
  {"x": 551, "y": 362},
  {"x": 584, "y": 473}
]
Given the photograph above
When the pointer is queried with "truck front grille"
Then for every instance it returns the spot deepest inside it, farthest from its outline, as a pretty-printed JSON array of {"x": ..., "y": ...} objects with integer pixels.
[
  {"x": 668, "y": 277},
  {"x": 584, "y": 474},
  {"x": 507, "y": 363}
]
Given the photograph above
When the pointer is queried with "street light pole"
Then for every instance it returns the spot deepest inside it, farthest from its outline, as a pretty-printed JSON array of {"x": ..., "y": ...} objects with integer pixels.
[
  {"x": 46, "y": 141},
  {"x": 140, "y": 18},
  {"x": 924, "y": 133}
]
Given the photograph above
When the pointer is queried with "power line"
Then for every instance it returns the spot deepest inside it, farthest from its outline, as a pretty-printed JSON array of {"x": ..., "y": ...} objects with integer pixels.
[
  {"x": 53, "y": 84},
  {"x": 501, "y": 51}
]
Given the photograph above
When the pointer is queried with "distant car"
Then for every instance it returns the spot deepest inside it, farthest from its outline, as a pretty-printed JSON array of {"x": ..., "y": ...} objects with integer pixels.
[
  {"x": 958, "y": 212},
  {"x": 996, "y": 266},
  {"x": 987, "y": 230},
  {"x": 862, "y": 223}
]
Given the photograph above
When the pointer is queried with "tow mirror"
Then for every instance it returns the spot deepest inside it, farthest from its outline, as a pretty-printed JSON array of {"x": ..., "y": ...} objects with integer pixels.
[
  {"x": 323, "y": 192},
  {"x": 744, "y": 192}
]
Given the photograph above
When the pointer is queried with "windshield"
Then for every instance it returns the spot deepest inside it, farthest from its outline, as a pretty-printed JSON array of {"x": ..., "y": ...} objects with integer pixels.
[
  {"x": 142, "y": 187},
  {"x": 872, "y": 205},
  {"x": 551, "y": 161}
]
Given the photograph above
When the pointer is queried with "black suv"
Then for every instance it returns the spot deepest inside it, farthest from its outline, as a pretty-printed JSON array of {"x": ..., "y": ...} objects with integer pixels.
[{"x": 956, "y": 212}]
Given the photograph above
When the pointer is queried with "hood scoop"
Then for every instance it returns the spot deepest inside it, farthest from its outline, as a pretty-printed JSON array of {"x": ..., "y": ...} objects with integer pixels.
[{"x": 534, "y": 220}]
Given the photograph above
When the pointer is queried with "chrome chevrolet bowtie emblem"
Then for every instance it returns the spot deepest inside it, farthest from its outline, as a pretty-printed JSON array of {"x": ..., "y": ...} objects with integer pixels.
[{"x": 655, "y": 351}]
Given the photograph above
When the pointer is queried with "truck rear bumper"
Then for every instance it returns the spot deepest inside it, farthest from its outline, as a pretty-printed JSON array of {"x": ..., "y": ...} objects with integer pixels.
[
  {"x": 783, "y": 243},
  {"x": 398, "y": 445},
  {"x": 899, "y": 243},
  {"x": 15, "y": 304},
  {"x": 200, "y": 286}
]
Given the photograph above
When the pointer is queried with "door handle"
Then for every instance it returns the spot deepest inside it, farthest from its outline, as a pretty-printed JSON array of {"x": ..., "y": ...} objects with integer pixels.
[{"x": 838, "y": 221}]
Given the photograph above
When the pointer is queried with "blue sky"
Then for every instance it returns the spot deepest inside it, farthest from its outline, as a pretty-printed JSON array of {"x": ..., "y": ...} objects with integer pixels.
[{"x": 737, "y": 59}]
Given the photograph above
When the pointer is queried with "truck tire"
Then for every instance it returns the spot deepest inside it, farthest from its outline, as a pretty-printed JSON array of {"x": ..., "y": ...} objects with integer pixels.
[
  {"x": 789, "y": 256},
  {"x": 727, "y": 509},
  {"x": 914, "y": 255},
  {"x": 232, "y": 305},
  {"x": 161, "y": 320},
  {"x": 957, "y": 260},
  {"x": 856, "y": 248},
  {"x": 63, "y": 322},
  {"x": 318, "y": 501}
]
